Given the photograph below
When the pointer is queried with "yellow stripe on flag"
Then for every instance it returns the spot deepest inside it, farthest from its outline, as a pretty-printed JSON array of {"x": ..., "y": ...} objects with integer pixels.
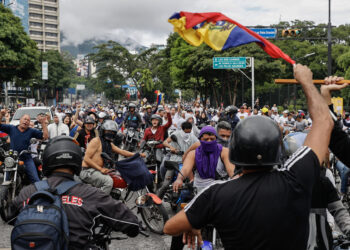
[{"x": 213, "y": 35}]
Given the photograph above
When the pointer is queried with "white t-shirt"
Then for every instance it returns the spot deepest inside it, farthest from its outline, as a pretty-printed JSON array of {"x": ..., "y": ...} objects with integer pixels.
[
  {"x": 56, "y": 130},
  {"x": 243, "y": 115},
  {"x": 215, "y": 118}
]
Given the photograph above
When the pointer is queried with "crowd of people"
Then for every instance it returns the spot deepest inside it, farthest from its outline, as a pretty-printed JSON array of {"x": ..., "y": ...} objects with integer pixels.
[{"x": 258, "y": 192}]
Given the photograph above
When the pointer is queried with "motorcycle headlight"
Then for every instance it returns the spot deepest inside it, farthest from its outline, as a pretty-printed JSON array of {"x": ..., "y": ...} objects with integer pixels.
[
  {"x": 131, "y": 133},
  {"x": 9, "y": 162}
]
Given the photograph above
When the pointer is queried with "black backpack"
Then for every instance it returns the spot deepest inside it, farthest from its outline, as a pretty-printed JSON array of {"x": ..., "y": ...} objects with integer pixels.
[{"x": 43, "y": 223}]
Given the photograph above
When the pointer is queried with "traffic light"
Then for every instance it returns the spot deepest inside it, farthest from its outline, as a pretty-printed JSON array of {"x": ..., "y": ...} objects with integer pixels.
[{"x": 290, "y": 32}]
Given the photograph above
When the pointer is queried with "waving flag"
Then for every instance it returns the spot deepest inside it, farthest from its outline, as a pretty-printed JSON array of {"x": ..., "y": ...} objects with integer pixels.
[
  {"x": 159, "y": 96},
  {"x": 220, "y": 33}
]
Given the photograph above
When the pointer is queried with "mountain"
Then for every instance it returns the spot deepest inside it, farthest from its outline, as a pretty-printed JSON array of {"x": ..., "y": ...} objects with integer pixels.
[{"x": 88, "y": 46}]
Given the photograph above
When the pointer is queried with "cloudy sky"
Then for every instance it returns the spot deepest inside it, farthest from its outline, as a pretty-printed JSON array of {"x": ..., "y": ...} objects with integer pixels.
[{"x": 145, "y": 21}]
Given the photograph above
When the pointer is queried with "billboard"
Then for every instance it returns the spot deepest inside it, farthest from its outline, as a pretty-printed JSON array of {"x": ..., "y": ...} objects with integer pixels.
[{"x": 20, "y": 9}]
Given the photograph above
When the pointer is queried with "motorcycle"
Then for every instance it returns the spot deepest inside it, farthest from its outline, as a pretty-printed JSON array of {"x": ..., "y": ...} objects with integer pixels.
[
  {"x": 101, "y": 236},
  {"x": 149, "y": 148},
  {"x": 170, "y": 175},
  {"x": 152, "y": 211},
  {"x": 131, "y": 140},
  {"x": 14, "y": 178},
  {"x": 180, "y": 199}
]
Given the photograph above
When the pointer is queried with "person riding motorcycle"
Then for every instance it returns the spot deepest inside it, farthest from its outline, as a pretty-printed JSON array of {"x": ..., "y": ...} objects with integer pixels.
[
  {"x": 231, "y": 116},
  {"x": 133, "y": 118},
  {"x": 87, "y": 133},
  {"x": 157, "y": 132},
  {"x": 178, "y": 143},
  {"x": 94, "y": 169},
  {"x": 20, "y": 136},
  {"x": 276, "y": 202},
  {"x": 119, "y": 119},
  {"x": 223, "y": 130},
  {"x": 147, "y": 116},
  {"x": 83, "y": 203},
  {"x": 205, "y": 162}
]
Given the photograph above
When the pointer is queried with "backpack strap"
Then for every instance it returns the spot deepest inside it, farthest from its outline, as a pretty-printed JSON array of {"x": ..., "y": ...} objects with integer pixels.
[
  {"x": 65, "y": 186},
  {"x": 41, "y": 185}
]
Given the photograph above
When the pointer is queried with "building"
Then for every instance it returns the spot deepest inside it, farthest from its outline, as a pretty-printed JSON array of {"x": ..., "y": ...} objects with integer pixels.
[
  {"x": 84, "y": 67},
  {"x": 40, "y": 19},
  {"x": 19, "y": 9},
  {"x": 44, "y": 23}
]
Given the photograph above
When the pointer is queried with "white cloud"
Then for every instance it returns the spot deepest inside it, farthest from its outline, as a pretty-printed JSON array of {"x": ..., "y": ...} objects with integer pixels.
[{"x": 145, "y": 21}]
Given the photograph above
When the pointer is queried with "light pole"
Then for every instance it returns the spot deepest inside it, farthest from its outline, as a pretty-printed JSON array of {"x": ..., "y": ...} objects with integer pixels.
[{"x": 329, "y": 36}]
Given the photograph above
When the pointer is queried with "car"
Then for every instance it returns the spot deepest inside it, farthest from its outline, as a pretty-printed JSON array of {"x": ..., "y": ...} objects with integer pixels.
[{"x": 31, "y": 111}]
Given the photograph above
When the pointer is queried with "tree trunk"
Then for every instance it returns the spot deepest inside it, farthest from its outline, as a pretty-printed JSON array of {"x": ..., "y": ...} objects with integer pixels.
[
  {"x": 229, "y": 90},
  {"x": 206, "y": 96},
  {"x": 215, "y": 96},
  {"x": 235, "y": 92}
]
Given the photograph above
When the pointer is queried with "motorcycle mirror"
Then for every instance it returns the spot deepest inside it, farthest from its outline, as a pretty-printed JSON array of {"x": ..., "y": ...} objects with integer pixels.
[{"x": 143, "y": 201}]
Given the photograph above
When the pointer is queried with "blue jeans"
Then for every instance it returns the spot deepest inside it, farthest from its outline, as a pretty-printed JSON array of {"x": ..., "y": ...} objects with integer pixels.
[
  {"x": 344, "y": 173},
  {"x": 30, "y": 169}
]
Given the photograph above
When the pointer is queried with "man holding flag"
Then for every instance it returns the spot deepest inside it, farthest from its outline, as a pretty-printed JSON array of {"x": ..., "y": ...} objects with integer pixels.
[{"x": 262, "y": 209}]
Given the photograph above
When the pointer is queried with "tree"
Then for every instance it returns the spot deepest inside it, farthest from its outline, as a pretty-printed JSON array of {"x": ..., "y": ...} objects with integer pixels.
[
  {"x": 61, "y": 72},
  {"x": 19, "y": 56}
]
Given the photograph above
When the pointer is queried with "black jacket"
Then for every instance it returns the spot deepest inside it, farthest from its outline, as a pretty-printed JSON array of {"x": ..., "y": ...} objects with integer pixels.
[
  {"x": 83, "y": 203},
  {"x": 133, "y": 120}
]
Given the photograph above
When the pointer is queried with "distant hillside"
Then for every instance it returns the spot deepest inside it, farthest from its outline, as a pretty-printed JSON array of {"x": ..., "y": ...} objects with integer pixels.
[{"x": 88, "y": 46}]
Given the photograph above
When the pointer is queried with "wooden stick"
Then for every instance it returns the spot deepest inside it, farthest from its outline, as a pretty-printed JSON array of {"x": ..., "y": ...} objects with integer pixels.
[{"x": 293, "y": 81}]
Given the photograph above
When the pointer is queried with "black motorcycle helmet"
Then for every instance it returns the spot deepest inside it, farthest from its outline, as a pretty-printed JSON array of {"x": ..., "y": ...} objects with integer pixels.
[
  {"x": 62, "y": 152},
  {"x": 256, "y": 142},
  {"x": 155, "y": 116},
  {"x": 231, "y": 110},
  {"x": 132, "y": 105}
]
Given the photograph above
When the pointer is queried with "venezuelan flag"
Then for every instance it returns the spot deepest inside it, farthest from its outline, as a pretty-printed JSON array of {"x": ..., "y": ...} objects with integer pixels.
[
  {"x": 159, "y": 96},
  {"x": 220, "y": 33}
]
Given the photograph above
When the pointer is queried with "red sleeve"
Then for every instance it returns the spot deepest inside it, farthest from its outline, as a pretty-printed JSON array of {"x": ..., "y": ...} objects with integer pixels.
[
  {"x": 170, "y": 121},
  {"x": 145, "y": 137}
]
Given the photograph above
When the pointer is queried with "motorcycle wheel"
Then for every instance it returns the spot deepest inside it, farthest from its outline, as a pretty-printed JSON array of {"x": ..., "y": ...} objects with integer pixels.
[
  {"x": 155, "y": 217},
  {"x": 5, "y": 201}
]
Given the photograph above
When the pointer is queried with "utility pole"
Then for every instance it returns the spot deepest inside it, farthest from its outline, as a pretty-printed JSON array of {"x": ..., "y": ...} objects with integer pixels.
[{"x": 329, "y": 36}]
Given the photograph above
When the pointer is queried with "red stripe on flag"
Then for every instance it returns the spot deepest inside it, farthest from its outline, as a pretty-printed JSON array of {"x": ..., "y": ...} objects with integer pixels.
[{"x": 192, "y": 19}]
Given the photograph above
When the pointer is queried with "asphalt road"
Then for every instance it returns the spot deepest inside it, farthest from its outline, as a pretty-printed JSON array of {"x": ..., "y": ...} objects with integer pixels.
[
  {"x": 154, "y": 241},
  {"x": 140, "y": 242}
]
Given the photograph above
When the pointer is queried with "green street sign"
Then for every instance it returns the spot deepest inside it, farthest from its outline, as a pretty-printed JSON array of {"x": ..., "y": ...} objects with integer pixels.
[{"x": 229, "y": 62}]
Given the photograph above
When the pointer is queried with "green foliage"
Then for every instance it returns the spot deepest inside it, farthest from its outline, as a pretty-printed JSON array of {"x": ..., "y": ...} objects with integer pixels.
[
  {"x": 61, "y": 70},
  {"x": 19, "y": 56},
  {"x": 182, "y": 66}
]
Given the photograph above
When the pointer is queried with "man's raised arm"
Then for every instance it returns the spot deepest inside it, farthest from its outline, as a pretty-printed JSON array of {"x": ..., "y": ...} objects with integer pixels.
[{"x": 322, "y": 124}]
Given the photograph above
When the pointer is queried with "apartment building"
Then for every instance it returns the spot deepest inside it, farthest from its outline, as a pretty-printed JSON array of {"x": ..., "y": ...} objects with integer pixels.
[{"x": 44, "y": 23}]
